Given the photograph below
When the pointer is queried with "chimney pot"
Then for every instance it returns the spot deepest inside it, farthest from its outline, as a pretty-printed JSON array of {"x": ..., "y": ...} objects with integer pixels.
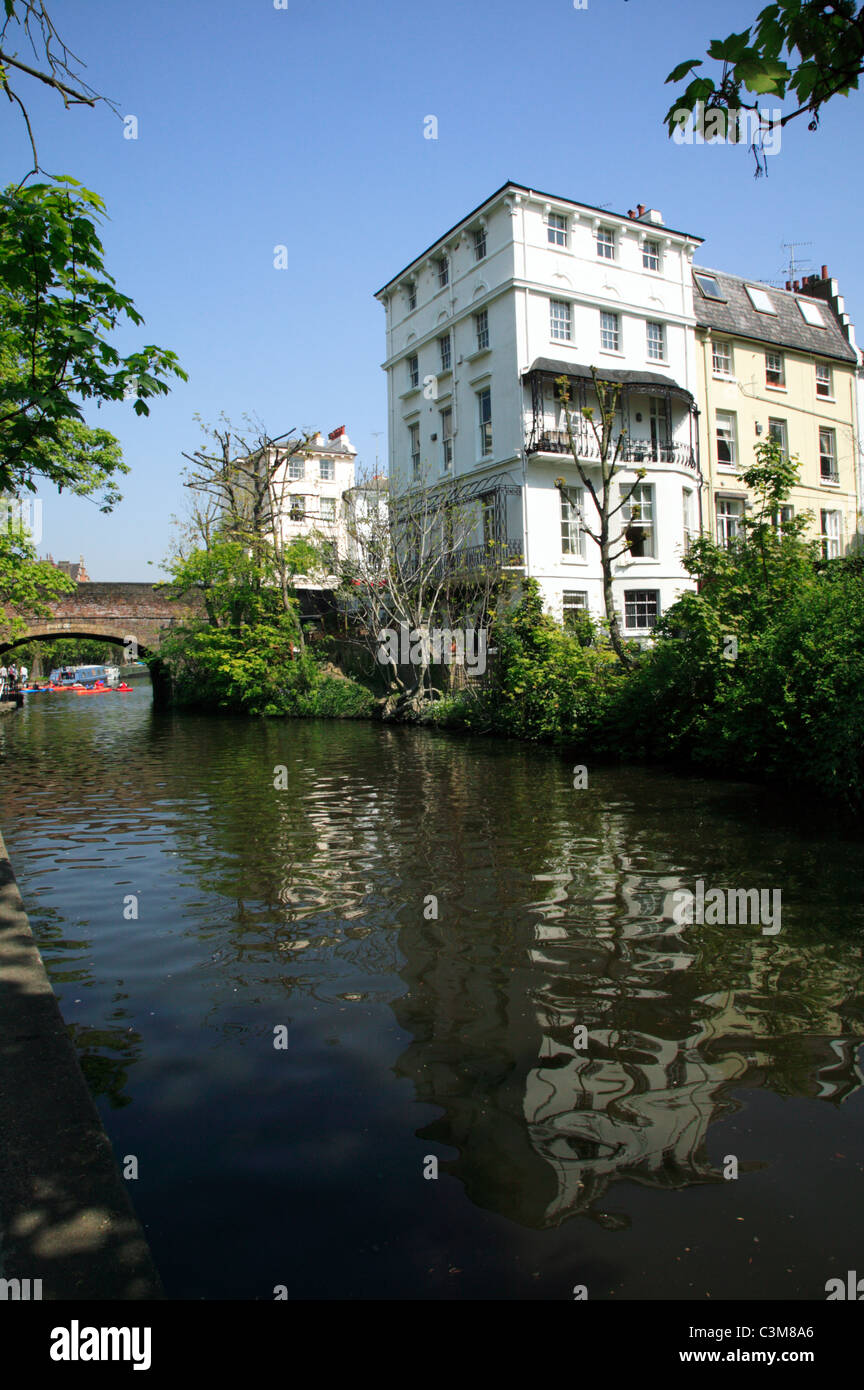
[
  {"x": 788, "y": 284},
  {"x": 641, "y": 207},
  {"x": 795, "y": 285},
  {"x": 824, "y": 272}
]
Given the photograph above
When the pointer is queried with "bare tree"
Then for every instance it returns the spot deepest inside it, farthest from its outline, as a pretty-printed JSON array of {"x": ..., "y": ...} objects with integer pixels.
[
  {"x": 417, "y": 565},
  {"x": 610, "y": 446},
  {"x": 28, "y": 23},
  {"x": 240, "y": 485}
]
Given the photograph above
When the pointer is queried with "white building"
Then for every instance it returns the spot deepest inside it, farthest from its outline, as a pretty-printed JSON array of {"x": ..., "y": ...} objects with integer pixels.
[
  {"x": 527, "y": 288},
  {"x": 311, "y": 487}
]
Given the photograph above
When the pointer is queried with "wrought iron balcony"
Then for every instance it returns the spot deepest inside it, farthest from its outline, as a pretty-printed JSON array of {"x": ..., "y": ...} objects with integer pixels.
[{"x": 640, "y": 452}]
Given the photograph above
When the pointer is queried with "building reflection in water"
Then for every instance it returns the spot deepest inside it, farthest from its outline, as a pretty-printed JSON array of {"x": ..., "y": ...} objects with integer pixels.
[{"x": 680, "y": 1021}]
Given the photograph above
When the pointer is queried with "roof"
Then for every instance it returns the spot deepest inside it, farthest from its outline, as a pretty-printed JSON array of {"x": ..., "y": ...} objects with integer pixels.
[
  {"x": 787, "y": 328},
  {"x": 658, "y": 229},
  {"x": 626, "y": 377}
]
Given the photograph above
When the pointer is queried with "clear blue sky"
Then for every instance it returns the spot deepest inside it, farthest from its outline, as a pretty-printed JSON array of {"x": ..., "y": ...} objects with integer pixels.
[{"x": 304, "y": 127}]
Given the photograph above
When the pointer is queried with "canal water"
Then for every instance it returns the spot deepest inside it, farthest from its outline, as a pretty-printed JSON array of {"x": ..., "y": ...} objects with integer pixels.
[{"x": 306, "y": 964}]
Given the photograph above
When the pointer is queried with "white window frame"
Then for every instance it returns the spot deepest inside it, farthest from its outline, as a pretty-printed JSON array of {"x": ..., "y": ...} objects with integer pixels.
[
  {"x": 832, "y": 533},
  {"x": 446, "y": 417},
  {"x": 825, "y": 379},
  {"x": 330, "y": 504},
  {"x": 781, "y": 434},
  {"x": 298, "y": 509},
  {"x": 610, "y": 331},
  {"x": 775, "y": 370},
  {"x": 830, "y": 453},
  {"x": 556, "y": 229},
  {"x": 414, "y": 445},
  {"x": 573, "y": 523},
  {"x": 411, "y": 291},
  {"x": 484, "y": 420},
  {"x": 656, "y": 346},
  {"x": 296, "y": 469},
  {"x": 730, "y": 437},
  {"x": 688, "y": 509},
  {"x": 481, "y": 329},
  {"x": 573, "y": 601},
  {"x": 721, "y": 352},
  {"x": 732, "y": 512},
  {"x": 327, "y": 470},
  {"x": 641, "y": 599},
  {"x": 413, "y": 371},
  {"x": 479, "y": 243},
  {"x": 445, "y": 351},
  {"x": 641, "y": 510},
  {"x": 604, "y": 241},
  {"x": 560, "y": 320},
  {"x": 443, "y": 272},
  {"x": 651, "y": 252}
]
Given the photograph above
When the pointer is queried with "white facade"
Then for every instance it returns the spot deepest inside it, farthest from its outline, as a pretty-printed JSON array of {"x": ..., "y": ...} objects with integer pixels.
[
  {"x": 311, "y": 488},
  {"x": 535, "y": 287}
]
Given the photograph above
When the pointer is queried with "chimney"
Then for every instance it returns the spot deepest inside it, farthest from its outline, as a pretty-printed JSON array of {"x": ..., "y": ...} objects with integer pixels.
[
  {"x": 795, "y": 285},
  {"x": 824, "y": 272},
  {"x": 788, "y": 284},
  {"x": 630, "y": 212},
  {"x": 641, "y": 209}
]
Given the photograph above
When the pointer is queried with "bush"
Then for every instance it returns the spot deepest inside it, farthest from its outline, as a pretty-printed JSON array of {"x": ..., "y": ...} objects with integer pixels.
[{"x": 257, "y": 670}]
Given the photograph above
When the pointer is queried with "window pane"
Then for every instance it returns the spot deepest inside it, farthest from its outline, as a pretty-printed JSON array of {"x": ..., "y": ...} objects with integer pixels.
[
  {"x": 609, "y": 334},
  {"x": 572, "y": 535},
  {"x": 606, "y": 243},
  {"x": 641, "y": 609},
  {"x": 726, "y": 439},
  {"x": 655, "y": 341},
  {"x": 559, "y": 313}
]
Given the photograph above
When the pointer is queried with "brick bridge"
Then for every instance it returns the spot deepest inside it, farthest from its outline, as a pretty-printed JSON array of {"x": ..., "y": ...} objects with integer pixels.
[{"x": 114, "y": 612}]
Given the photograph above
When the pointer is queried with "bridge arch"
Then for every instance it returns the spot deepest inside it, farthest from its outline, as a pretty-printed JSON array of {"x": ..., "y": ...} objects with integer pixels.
[{"x": 118, "y": 612}]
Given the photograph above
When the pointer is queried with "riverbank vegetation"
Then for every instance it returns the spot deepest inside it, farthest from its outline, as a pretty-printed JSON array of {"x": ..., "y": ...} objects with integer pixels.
[
  {"x": 759, "y": 673},
  {"x": 248, "y": 653}
]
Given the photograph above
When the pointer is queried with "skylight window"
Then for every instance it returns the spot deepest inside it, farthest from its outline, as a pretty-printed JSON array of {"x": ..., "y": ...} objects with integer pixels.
[
  {"x": 811, "y": 313},
  {"x": 710, "y": 287},
  {"x": 760, "y": 300}
]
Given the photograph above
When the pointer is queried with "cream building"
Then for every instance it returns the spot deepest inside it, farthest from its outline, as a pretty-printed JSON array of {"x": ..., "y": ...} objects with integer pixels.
[
  {"x": 779, "y": 363},
  {"x": 310, "y": 490}
]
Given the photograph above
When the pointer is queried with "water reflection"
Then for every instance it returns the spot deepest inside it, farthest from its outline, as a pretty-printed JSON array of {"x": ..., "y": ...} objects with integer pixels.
[{"x": 305, "y": 905}]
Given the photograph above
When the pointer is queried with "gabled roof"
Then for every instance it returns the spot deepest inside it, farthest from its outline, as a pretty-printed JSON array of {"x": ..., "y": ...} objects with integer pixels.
[{"x": 736, "y": 316}]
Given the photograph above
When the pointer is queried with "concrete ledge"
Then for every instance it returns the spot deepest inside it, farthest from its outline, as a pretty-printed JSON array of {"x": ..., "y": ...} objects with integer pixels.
[{"x": 65, "y": 1213}]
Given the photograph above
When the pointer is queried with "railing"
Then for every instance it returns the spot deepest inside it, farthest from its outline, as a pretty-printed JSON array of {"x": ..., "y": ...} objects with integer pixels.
[{"x": 638, "y": 451}]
